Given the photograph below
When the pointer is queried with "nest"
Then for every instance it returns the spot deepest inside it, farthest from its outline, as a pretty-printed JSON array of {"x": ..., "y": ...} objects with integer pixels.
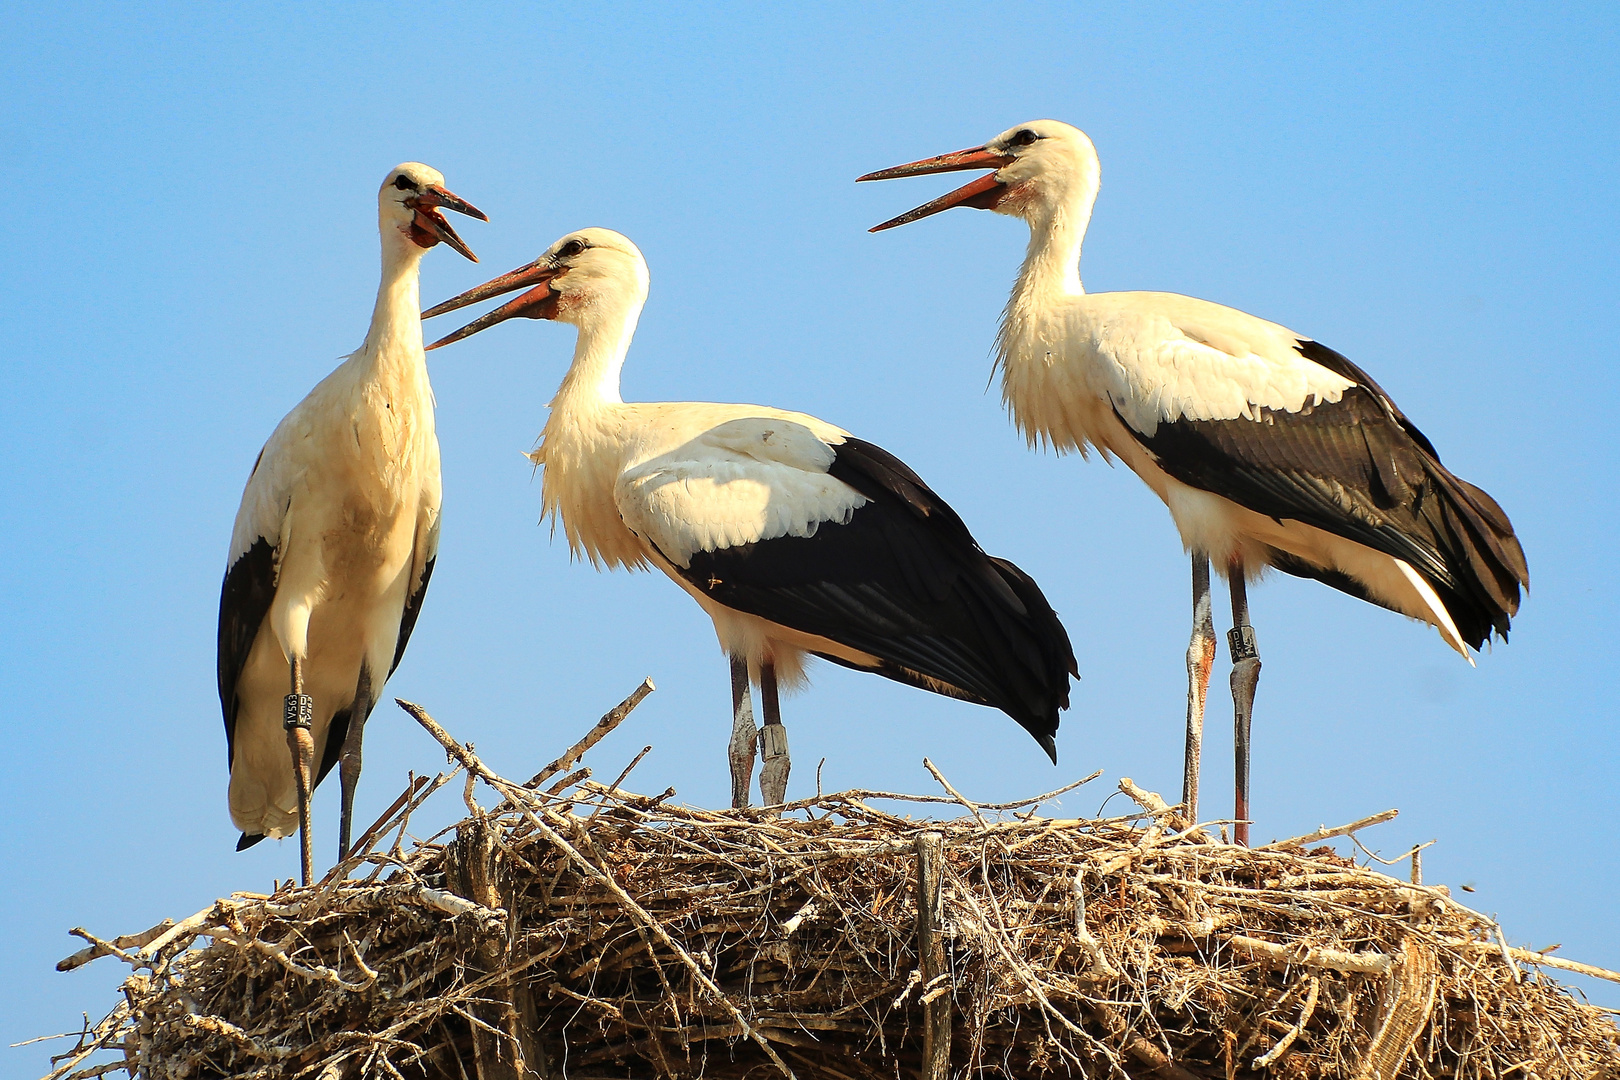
[{"x": 581, "y": 931}]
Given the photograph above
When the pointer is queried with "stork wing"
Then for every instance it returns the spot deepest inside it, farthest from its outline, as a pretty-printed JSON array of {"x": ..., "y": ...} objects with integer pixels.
[
  {"x": 845, "y": 542},
  {"x": 423, "y": 556},
  {"x": 250, "y": 576},
  {"x": 1358, "y": 468},
  {"x": 740, "y": 482}
]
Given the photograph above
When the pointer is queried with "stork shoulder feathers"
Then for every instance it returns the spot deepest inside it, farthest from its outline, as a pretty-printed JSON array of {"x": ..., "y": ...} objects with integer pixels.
[
  {"x": 1158, "y": 357},
  {"x": 757, "y": 476}
]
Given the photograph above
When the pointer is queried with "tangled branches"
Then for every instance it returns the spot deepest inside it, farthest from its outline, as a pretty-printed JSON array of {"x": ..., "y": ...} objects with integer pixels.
[{"x": 581, "y": 931}]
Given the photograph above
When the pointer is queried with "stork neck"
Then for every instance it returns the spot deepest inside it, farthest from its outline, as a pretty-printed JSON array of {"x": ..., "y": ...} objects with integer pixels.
[
  {"x": 396, "y": 321},
  {"x": 1052, "y": 262},
  {"x": 605, "y": 332}
]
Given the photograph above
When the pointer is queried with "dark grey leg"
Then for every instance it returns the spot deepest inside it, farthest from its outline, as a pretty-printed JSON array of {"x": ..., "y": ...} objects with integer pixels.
[
  {"x": 349, "y": 762},
  {"x": 1245, "y": 677},
  {"x": 1200, "y": 658},
  {"x": 744, "y": 737},
  {"x": 298, "y": 713},
  {"x": 773, "y": 775}
]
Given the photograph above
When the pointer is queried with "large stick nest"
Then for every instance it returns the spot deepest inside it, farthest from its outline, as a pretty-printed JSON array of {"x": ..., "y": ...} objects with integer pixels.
[{"x": 581, "y": 931}]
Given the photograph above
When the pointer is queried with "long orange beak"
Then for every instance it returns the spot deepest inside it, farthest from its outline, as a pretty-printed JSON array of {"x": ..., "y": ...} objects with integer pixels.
[
  {"x": 540, "y": 302},
  {"x": 430, "y": 227},
  {"x": 981, "y": 194}
]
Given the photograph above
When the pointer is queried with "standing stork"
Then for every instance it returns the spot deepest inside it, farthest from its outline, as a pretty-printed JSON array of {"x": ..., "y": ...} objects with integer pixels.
[
  {"x": 794, "y": 536},
  {"x": 1269, "y": 448},
  {"x": 334, "y": 544}
]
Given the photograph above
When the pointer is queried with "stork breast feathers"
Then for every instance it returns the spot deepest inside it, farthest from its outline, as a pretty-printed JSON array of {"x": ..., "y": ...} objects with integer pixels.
[{"x": 739, "y": 482}]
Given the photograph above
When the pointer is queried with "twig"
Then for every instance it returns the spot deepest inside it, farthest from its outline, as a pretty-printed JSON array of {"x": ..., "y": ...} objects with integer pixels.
[
  {"x": 514, "y": 793},
  {"x": 957, "y": 795},
  {"x": 116, "y": 945},
  {"x": 612, "y": 719},
  {"x": 613, "y": 788},
  {"x": 1325, "y": 833},
  {"x": 1367, "y": 963},
  {"x": 1293, "y": 1033},
  {"x": 931, "y": 958}
]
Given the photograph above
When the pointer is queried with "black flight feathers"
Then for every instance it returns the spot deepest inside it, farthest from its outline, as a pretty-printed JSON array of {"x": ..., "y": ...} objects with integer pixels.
[
  {"x": 905, "y": 582},
  {"x": 244, "y": 601},
  {"x": 1358, "y": 468}
]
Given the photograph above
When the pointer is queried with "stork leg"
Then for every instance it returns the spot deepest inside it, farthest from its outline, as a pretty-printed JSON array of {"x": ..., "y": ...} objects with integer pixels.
[
  {"x": 297, "y": 715},
  {"x": 1200, "y": 658},
  {"x": 773, "y": 774},
  {"x": 349, "y": 763},
  {"x": 1245, "y": 677},
  {"x": 744, "y": 737}
]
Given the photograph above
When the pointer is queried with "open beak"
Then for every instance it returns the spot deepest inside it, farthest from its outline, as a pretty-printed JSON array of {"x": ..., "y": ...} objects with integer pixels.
[
  {"x": 432, "y": 225},
  {"x": 538, "y": 303},
  {"x": 982, "y": 194}
]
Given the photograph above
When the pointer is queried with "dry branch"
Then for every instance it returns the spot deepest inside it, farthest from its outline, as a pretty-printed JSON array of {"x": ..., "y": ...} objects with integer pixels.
[{"x": 586, "y": 932}]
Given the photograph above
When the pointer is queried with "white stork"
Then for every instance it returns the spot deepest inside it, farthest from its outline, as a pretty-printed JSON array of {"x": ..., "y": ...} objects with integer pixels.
[
  {"x": 793, "y": 535},
  {"x": 1269, "y": 448},
  {"x": 334, "y": 544}
]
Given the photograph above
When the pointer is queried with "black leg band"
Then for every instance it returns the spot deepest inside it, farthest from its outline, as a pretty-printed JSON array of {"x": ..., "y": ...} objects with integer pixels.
[{"x": 298, "y": 711}]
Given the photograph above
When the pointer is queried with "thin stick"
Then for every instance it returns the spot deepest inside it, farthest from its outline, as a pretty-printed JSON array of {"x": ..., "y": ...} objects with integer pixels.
[
  {"x": 613, "y": 788},
  {"x": 1293, "y": 1033},
  {"x": 957, "y": 795},
  {"x": 931, "y": 958},
  {"x": 362, "y": 846},
  {"x": 612, "y": 719},
  {"x": 1325, "y": 833},
  {"x": 514, "y": 793},
  {"x": 127, "y": 941}
]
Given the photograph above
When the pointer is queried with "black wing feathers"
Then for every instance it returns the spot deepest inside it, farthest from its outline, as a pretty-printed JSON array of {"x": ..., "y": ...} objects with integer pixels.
[
  {"x": 1360, "y": 469},
  {"x": 904, "y": 581},
  {"x": 244, "y": 600},
  {"x": 413, "y": 608}
]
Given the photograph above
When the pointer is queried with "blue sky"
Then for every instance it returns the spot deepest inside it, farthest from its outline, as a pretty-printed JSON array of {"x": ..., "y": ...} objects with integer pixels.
[{"x": 191, "y": 246}]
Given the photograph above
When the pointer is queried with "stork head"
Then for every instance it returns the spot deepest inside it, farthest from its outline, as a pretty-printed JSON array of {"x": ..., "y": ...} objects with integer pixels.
[
  {"x": 408, "y": 202},
  {"x": 586, "y": 276},
  {"x": 1037, "y": 167}
]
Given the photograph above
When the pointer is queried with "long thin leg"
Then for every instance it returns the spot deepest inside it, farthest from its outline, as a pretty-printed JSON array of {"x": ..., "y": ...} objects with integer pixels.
[
  {"x": 1200, "y": 658},
  {"x": 1245, "y": 677},
  {"x": 349, "y": 763},
  {"x": 744, "y": 737},
  {"x": 297, "y": 714},
  {"x": 773, "y": 775}
]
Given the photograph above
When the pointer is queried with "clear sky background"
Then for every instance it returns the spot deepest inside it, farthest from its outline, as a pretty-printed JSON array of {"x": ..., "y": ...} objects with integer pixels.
[{"x": 191, "y": 244}]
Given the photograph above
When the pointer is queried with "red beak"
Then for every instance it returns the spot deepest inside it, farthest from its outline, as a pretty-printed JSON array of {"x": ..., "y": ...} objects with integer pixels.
[
  {"x": 982, "y": 194},
  {"x": 429, "y": 226},
  {"x": 538, "y": 303}
]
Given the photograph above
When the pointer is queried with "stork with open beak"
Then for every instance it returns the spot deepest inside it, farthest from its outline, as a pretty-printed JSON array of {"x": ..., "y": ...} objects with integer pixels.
[
  {"x": 1269, "y": 448},
  {"x": 793, "y": 535},
  {"x": 334, "y": 544}
]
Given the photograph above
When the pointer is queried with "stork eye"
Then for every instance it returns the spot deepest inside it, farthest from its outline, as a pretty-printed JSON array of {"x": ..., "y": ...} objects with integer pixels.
[
  {"x": 404, "y": 183},
  {"x": 570, "y": 249},
  {"x": 1023, "y": 138}
]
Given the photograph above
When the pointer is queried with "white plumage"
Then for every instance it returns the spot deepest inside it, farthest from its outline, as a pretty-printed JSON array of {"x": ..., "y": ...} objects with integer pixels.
[
  {"x": 1269, "y": 449},
  {"x": 336, "y": 536},
  {"x": 794, "y": 536}
]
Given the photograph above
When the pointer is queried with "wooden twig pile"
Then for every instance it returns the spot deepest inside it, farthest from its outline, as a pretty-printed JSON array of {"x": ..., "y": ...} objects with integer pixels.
[{"x": 581, "y": 931}]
